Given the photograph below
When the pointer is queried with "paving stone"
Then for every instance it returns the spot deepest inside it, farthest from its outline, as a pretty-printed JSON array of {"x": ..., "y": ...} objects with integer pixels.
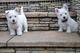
[
  {"x": 46, "y": 38},
  {"x": 4, "y": 37}
]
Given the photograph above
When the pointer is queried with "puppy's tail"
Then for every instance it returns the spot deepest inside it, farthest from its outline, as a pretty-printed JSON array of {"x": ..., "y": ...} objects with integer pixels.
[{"x": 21, "y": 10}]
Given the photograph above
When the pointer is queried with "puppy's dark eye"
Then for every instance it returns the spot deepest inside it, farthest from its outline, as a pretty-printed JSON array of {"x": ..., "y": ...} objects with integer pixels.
[
  {"x": 10, "y": 17},
  {"x": 65, "y": 13},
  {"x": 14, "y": 16},
  {"x": 60, "y": 14}
]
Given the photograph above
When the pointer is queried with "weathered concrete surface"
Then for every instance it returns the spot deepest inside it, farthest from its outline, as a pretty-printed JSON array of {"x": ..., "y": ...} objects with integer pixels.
[
  {"x": 40, "y": 39},
  {"x": 4, "y": 37},
  {"x": 45, "y": 38}
]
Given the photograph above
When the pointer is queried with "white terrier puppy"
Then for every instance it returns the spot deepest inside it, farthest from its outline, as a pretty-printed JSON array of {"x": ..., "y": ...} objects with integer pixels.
[
  {"x": 16, "y": 21},
  {"x": 65, "y": 22}
]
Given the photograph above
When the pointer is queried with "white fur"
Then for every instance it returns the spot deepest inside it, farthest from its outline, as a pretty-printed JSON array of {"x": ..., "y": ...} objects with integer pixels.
[
  {"x": 19, "y": 22},
  {"x": 70, "y": 25}
]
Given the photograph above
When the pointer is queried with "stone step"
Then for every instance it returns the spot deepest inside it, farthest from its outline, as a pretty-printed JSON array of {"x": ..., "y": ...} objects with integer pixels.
[
  {"x": 4, "y": 37},
  {"x": 40, "y": 39}
]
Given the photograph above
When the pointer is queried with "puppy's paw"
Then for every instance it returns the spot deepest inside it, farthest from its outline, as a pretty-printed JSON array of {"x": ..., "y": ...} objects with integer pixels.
[
  {"x": 19, "y": 33},
  {"x": 60, "y": 30},
  {"x": 25, "y": 30},
  {"x": 12, "y": 34},
  {"x": 68, "y": 31}
]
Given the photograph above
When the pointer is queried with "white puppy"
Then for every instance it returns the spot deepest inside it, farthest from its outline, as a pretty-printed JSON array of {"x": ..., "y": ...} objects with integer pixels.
[
  {"x": 17, "y": 21},
  {"x": 65, "y": 22}
]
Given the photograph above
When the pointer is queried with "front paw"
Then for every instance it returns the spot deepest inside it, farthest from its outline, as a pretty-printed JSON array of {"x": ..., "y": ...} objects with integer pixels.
[
  {"x": 68, "y": 31},
  {"x": 60, "y": 30},
  {"x": 19, "y": 33},
  {"x": 12, "y": 34},
  {"x": 25, "y": 30}
]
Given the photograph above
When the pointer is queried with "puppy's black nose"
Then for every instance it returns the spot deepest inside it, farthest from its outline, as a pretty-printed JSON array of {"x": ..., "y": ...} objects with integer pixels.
[
  {"x": 64, "y": 17},
  {"x": 13, "y": 20}
]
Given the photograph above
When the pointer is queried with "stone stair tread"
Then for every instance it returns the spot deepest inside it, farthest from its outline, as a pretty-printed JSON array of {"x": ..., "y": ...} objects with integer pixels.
[
  {"x": 46, "y": 39},
  {"x": 40, "y": 39},
  {"x": 4, "y": 37}
]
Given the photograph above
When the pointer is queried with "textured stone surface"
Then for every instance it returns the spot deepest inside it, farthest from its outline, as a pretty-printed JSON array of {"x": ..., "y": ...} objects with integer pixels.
[
  {"x": 42, "y": 23},
  {"x": 41, "y": 38},
  {"x": 3, "y": 25},
  {"x": 4, "y": 37},
  {"x": 76, "y": 6},
  {"x": 49, "y": 39},
  {"x": 7, "y": 50},
  {"x": 46, "y": 38}
]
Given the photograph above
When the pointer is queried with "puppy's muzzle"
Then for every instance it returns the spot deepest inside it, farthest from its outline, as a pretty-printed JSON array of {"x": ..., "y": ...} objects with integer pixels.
[
  {"x": 14, "y": 22},
  {"x": 64, "y": 19}
]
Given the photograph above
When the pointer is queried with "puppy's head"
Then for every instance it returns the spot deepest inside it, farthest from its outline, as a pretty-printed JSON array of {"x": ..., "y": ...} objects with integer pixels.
[
  {"x": 12, "y": 15},
  {"x": 62, "y": 13}
]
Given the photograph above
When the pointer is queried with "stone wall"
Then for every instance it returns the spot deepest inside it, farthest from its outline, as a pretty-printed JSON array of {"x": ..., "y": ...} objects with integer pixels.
[
  {"x": 76, "y": 7},
  {"x": 35, "y": 23},
  {"x": 42, "y": 23}
]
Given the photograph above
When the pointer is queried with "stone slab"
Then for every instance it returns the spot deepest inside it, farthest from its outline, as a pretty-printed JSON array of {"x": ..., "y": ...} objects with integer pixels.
[
  {"x": 45, "y": 39},
  {"x": 4, "y": 37}
]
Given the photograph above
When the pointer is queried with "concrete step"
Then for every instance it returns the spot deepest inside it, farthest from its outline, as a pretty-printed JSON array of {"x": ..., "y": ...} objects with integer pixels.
[
  {"x": 4, "y": 37},
  {"x": 40, "y": 39}
]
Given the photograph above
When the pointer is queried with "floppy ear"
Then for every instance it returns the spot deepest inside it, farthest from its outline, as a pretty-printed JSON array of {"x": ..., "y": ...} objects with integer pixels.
[
  {"x": 65, "y": 6},
  {"x": 56, "y": 10}
]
